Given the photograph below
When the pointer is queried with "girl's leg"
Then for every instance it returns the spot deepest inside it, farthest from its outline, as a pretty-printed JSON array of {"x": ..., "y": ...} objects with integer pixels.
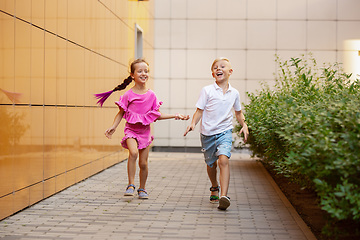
[
  {"x": 224, "y": 174},
  {"x": 143, "y": 165},
  {"x": 131, "y": 165}
]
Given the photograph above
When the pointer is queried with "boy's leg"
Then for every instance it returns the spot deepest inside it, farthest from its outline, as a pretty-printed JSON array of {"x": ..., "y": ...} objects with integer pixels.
[
  {"x": 224, "y": 153},
  {"x": 224, "y": 174},
  {"x": 212, "y": 172},
  {"x": 224, "y": 201}
]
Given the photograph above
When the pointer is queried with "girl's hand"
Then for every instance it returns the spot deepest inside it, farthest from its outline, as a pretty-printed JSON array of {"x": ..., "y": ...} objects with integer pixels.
[
  {"x": 181, "y": 117},
  {"x": 109, "y": 132}
]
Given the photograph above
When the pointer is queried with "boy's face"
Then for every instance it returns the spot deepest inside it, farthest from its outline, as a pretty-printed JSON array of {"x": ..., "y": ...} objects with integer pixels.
[{"x": 221, "y": 71}]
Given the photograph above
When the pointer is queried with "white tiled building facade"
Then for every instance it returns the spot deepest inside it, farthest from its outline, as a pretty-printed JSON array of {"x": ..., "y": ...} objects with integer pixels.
[{"x": 190, "y": 34}]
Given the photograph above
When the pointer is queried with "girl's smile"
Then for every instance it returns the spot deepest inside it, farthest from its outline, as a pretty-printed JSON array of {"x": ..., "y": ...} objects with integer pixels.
[{"x": 141, "y": 73}]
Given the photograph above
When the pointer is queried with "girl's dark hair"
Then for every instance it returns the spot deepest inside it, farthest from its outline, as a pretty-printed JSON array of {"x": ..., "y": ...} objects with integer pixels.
[
  {"x": 103, "y": 96},
  {"x": 124, "y": 84},
  {"x": 129, "y": 79}
]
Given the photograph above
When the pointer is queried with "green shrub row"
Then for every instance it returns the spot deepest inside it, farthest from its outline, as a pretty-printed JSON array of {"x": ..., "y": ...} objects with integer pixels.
[{"x": 308, "y": 127}]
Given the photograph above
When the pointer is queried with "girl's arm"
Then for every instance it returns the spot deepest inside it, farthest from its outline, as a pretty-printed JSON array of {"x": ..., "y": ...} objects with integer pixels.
[
  {"x": 177, "y": 116},
  {"x": 241, "y": 119},
  {"x": 109, "y": 132},
  {"x": 196, "y": 118}
]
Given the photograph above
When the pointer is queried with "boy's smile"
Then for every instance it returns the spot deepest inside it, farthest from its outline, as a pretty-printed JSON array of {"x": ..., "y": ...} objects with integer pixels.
[
  {"x": 221, "y": 71},
  {"x": 219, "y": 74}
]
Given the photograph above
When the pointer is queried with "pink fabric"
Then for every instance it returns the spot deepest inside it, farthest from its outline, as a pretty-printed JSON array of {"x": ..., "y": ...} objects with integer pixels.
[
  {"x": 140, "y": 110},
  {"x": 142, "y": 134}
]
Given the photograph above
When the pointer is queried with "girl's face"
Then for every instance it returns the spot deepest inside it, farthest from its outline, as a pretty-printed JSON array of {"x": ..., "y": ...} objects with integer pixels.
[{"x": 141, "y": 73}]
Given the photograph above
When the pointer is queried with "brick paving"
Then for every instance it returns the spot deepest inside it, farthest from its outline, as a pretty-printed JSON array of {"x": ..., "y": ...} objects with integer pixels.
[{"x": 178, "y": 207}]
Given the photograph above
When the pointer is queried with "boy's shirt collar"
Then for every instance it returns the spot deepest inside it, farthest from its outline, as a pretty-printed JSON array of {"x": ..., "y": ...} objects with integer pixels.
[{"x": 217, "y": 87}]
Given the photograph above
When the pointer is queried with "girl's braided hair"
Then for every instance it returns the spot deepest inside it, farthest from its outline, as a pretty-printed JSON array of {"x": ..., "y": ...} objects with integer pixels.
[
  {"x": 129, "y": 79},
  {"x": 103, "y": 96},
  {"x": 124, "y": 84}
]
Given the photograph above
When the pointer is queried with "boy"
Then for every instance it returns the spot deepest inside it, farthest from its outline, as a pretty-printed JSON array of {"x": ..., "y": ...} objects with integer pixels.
[{"x": 214, "y": 108}]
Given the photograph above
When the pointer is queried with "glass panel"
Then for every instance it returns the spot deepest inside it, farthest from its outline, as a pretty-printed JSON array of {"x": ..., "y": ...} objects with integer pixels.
[
  {"x": 23, "y": 9},
  {"x": 22, "y": 60},
  {"x": 37, "y": 66},
  {"x": 70, "y": 178},
  {"x": 50, "y": 16},
  {"x": 61, "y": 144},
  {"x": 61, "y": 72},
  {"x": 50, "y": 121},
  {"x": 50, "y": 69},
  {"x": 60, "y": 182},
  {"x": 49, "y": 187},
  {"x": 22, "y": 147},
  {"x": 21, "y": 199},
  {"x": 36, "y": 193},
  {"x": 52, "y": 136},
  {"x": 8, "y": 6},
  {"x": 6, "y": 206},
  {"x": 37, "y": 12},
  {"x": 75, "y": 75}
]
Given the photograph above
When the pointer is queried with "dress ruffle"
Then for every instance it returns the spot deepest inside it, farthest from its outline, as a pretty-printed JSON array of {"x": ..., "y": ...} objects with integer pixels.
[
  {"x": 157, "y": 107},
  {"x": 121, "y": 104},
  {"x": 141, "y": 145},
  {"x": 145, "y": 119}
]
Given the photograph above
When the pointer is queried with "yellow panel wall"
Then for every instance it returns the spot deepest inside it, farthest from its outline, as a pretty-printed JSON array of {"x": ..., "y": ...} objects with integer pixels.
[{"x": 54, "y": 55}]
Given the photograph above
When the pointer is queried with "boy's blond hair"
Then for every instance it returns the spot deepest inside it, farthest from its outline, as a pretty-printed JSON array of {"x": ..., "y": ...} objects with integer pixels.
[{"x": 219, "y": 59}]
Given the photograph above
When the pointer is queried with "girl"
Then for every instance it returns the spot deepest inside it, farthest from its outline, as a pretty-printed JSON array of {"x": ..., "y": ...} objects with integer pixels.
[{"x": 139, "y": 106}]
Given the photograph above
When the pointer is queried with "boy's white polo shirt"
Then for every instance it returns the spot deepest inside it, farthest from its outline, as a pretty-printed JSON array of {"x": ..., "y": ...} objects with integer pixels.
[{"x": 217, "y": 108}]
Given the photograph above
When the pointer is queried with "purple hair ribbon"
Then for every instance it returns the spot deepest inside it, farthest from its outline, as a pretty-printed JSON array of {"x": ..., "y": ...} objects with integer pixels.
[{"x": 102, "y": 97}]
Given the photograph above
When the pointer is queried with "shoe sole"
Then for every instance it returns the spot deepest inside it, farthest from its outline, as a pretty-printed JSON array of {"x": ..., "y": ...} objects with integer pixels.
[
  {"x": 224, "y": 203},
  {"x": 129, "y": 194}
]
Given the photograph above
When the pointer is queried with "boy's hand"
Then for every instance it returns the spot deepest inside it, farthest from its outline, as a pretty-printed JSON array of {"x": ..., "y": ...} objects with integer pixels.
[
  {"x": 196, "y": 118},
  {"x": 189, "y": 128},
  {"x": 245, "y": 131}
]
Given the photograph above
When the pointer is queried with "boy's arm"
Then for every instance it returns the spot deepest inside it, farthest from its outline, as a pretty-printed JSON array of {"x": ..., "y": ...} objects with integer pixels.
[
  {"x": 196, "y": 118},
  {"x": 241, "y": 119}
]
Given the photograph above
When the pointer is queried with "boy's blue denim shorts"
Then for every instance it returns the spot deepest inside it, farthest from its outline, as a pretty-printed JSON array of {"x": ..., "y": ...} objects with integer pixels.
[{"x": 215, "y": 145}]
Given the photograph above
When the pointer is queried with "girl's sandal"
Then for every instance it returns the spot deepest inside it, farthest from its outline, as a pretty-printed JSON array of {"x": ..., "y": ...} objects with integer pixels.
[
  {"x": 214, "y": 198},
  {"x": 130, "y": 190},
  {"x": 142, "y": 193}
]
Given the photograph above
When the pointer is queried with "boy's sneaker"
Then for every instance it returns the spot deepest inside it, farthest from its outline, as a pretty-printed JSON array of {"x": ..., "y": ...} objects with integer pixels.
[
  {"x": 224, "y": 203},
  {"x": 130, "y": 190},
  {"x": 142, "y": 193}
]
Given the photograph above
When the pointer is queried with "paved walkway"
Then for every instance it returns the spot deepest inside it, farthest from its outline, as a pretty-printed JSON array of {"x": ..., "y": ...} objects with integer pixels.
[{"x": 178, "y": 207}]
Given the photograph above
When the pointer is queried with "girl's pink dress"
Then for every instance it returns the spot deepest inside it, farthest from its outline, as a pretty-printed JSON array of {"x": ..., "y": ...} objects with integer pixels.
[{"x": 139, "y": 111}]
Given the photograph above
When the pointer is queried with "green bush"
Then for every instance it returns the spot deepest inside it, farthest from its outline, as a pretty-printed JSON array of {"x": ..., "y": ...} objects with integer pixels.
[{"x": 308, "y": 127}]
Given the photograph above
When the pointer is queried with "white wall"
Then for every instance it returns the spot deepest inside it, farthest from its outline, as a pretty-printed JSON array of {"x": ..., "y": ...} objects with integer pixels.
[{"x": 190, "y": 34}]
